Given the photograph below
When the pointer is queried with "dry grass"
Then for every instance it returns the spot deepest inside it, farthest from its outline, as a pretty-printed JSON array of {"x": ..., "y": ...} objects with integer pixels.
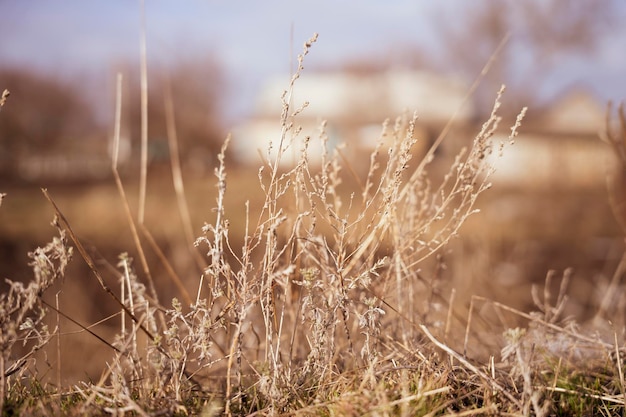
[{"x": 324, "y": 305}]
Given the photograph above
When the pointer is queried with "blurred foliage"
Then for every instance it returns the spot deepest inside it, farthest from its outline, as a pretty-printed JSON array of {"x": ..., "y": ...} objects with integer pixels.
[
  {"x": 42, "y": 113},
  {"x": 50, "y": 116},
  {"x": 196, "y": 86}
]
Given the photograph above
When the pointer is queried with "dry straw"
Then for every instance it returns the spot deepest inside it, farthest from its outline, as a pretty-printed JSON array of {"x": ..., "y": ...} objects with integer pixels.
[{"x": 324, "y": 308}]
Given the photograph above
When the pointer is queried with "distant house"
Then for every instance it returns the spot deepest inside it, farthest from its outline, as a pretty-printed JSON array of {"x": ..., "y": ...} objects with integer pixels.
[
  {"x": 558, "y": 147},
  {"x": 576, "y": 113},
  {"x": 354, "y": 107}
]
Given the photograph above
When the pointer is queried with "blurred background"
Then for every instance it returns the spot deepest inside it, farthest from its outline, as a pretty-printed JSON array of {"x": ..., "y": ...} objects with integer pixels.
[{"x": 228, "y": 63}]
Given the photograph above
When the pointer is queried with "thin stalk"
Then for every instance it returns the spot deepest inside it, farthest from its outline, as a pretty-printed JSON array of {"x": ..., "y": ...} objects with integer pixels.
[
  {"x": 144, "y": 118},
  {"x": 177, "y": 177}
]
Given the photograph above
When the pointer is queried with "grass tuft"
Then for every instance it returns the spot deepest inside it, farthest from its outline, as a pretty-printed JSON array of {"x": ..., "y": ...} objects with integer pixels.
[{"x": 329, "y": 307}]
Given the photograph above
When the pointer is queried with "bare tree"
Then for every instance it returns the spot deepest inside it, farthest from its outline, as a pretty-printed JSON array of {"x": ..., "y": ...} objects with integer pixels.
[
  {"x": 541, "y": 33},
  {"x": 45, "y": 115}
]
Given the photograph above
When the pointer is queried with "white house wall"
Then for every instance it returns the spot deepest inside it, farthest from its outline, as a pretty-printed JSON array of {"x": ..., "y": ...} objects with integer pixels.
[
  {"x": 433, "y": 97},
  {"x": 251, "y": 142},
  {"x": 352, "y": 104},
  {"x": 536, "y": 161}
]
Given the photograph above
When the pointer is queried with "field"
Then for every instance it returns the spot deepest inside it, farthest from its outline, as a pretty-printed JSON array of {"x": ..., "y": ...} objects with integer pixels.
[{"x": 315, "y": 289}]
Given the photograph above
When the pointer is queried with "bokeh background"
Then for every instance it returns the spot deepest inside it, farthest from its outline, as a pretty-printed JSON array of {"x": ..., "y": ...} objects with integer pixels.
[{"x": 227, "y": 64}]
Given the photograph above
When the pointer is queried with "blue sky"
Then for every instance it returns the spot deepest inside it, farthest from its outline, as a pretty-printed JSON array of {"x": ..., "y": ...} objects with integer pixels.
[
  {"x": 249, "y": 39},
  {"x": 82, "y": 34}
]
